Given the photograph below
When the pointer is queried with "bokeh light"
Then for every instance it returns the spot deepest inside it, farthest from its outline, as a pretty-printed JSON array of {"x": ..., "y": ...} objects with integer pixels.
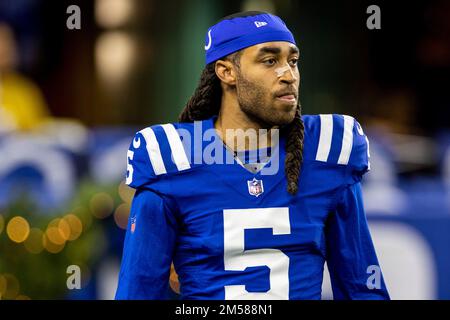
[
  {"x": 11, "y": 286},
  {"x": 101, "y": 205},
  {"x": 113, "y": 13},
  {"x": 121, "y": 215},
  {"x": 75, "y": 225},
  {"x": 53, "y": 233},
  {"x": 51, "y": 246},
  {"x": 18, "y": 229},
  {"x": 64, "y": 229},
  {"x": 126, "y": 193},
  {"x": 33, "y": 244},
  {"x": 115, "y": 53}
]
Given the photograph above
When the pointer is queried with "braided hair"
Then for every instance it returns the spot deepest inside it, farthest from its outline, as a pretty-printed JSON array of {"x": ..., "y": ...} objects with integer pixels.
[{"x": 206, "y": 101}]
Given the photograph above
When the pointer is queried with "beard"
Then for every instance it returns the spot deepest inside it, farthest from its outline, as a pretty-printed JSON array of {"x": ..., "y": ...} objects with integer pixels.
[{"x": 253, "y": 101}]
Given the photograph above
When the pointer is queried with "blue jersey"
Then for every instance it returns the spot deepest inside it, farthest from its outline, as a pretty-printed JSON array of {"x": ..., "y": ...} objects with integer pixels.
[{"x": 233, "y": 233}]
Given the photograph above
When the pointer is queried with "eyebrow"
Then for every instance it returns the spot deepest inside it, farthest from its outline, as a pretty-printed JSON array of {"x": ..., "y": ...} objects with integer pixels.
[{"x": 275, "y": 50}]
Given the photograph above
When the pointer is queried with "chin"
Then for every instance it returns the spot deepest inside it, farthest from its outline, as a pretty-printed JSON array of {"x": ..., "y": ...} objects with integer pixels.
[
  {"x": 272, "y": 116},
  {"x": 286, "y": 120},
  {"x": 285, "y": 116},
  {"x": 281, "y": 118}
]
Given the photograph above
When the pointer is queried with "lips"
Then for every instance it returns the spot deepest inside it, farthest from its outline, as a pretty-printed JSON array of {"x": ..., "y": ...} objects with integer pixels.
[
  {"x": 287, "y": 97},
  {"x": 286, "y": 94}
]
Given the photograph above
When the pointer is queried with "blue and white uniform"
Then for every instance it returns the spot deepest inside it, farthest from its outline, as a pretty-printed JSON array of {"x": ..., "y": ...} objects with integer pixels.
[{"x": 229, "y": 243}]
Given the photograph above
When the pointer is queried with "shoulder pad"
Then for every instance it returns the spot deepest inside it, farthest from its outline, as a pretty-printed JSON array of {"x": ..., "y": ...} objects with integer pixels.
[
  {"x": 156, "y": 151},
  {"x": 337, "y": 139}
]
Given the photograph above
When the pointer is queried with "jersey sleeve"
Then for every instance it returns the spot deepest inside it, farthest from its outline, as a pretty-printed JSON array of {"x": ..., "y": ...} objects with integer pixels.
[
  {"x": 337, "y": 140},
  {"x": 148, "y": 249},
  {"x": 144, "y": 160},
  {"x": 155, "y": 153},
  {"x": 352, "y": 262}
]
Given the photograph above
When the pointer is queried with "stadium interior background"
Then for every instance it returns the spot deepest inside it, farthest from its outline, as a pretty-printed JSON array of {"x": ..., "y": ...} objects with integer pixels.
[{"x": 71, "y": 99}]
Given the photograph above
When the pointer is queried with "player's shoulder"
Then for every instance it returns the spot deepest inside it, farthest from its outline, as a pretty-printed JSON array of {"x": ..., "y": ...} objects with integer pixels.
[
  {"x": 336, "y": 139},
  {"x": 159, "y": 151}
]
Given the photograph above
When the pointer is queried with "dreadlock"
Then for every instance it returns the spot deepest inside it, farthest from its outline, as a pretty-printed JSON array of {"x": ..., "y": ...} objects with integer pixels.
[
  {"x": 294, "y": 151},
  {"x": 206, "y": 101}
]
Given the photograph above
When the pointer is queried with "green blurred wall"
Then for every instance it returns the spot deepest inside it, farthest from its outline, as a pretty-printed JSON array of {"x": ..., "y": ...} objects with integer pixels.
[{"x": 181, "y": 57}]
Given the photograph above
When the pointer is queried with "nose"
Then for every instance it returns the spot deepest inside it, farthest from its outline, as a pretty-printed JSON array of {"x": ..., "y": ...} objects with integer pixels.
[{"x": 289, "y": 76}]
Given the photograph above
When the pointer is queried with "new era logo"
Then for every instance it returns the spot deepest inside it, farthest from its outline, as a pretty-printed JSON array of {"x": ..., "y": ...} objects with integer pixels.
[{"x": 259, "y": 24}]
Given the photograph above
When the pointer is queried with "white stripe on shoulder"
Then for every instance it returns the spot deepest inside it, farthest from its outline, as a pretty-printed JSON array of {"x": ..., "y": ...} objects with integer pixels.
[
  {"x": 347, "y": 140},
  {"x": 153, "y": 150},
  {"x": 326, "y": 135},
  {"x": 178, "y": 152}
]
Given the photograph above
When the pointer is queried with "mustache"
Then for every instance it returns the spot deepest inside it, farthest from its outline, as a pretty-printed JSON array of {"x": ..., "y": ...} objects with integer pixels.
[{"x": 287, "y": 91}]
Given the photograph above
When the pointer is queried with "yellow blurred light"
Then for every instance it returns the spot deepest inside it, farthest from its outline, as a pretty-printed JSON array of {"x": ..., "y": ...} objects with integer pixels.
[
  {"x": 23, "y": 297},
  {"x": 2, "y": 223},
  {"x": 115, "y": 55},
  {"x": 53, "y": 233},
  {"x": 64, "y": 229},
  {"x": 121, "y": 215},
  {"x": 18, "y": 229},
  {"x": 113, "y": 13},
  {"x": 54, "y": 236},
  {"x": 75, "y": 226},
  {"x": 12, "y": 287},
  {"x": 51, "y": 246},
  {"x": 126, "y": 193},
  {"x": 34, "y": 241},
  {"x": 101, "y": 205}
]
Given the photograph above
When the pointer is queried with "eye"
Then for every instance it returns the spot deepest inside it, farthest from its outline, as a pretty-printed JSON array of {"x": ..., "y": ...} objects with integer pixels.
[
  {"x": 270, "y": 62},
  {"x": 294, "y": 61}
]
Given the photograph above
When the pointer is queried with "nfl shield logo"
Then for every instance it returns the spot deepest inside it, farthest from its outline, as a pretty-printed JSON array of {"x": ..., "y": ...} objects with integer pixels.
[
  {"x": 255, "y": 187},
  {"x": 133, "y": 224}
]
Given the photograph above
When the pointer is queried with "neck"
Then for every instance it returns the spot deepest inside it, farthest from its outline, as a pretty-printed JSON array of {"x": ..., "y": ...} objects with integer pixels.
[{"x": 238, "y": 130}]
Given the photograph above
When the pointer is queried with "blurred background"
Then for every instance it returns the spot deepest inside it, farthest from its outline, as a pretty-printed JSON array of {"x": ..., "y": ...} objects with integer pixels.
[{"x": 70, "y": 101}]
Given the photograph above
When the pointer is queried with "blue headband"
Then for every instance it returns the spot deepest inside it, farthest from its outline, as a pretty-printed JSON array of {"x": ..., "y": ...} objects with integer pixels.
[{"x": 237, "y": 33}]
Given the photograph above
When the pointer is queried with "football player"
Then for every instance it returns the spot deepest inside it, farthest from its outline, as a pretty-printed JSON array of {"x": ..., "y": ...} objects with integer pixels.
[{"x": 256, "y": 227}]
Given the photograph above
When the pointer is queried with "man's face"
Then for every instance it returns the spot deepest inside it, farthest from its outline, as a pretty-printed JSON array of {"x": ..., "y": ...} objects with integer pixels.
[{"x": 263, "y": 94}]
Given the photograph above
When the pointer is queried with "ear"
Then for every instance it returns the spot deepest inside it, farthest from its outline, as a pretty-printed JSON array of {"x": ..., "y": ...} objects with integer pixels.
[{"x": 226, "y": 72}]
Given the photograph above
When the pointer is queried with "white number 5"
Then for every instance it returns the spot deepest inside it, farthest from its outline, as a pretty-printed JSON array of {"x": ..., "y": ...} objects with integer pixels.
[
  {"x": 130, "y": 156},
  {"x": 238, "y": 259}
]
